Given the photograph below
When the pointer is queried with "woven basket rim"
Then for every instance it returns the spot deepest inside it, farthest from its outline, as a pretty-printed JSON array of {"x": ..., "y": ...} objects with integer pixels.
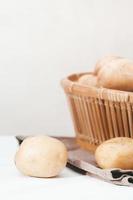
[{"x": 72, "y": 87}]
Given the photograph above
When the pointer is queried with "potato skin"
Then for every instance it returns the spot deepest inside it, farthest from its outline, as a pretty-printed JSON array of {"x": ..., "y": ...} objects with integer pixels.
[
  {"x": 117, "y": 75},
  {"x": 103, "y": 62},
  {"x": 88, "y": 79},
  {"x": 115, "y": 153},
  {"x": 41, "y": 156}
]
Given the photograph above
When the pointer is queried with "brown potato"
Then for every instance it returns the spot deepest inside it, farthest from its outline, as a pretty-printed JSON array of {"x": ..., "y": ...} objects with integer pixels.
[
  {"x": 103, "y": 62},
  {"x": 115, "y": 153},
  {"x": 117, "y": 75},
  {"x": 41, "y": 156},
  {"x": 88, "y": 79}
]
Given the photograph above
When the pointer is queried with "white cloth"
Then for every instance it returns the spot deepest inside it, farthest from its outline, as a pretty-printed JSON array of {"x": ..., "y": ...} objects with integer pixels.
[{"x": 69, "y": 185}]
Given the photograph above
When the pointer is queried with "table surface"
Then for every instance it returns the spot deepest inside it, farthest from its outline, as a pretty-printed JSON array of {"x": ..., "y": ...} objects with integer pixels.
[{"x": 69, "y": 185}]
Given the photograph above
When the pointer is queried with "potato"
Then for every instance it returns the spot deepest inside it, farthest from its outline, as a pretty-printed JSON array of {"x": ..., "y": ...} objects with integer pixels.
[
  {"x": 115, "y": 153},
  {"x": 41, "y": 156},
  {"x": 103, "y": 62},
  {"x": 88, "y": 79},
  {"x": 117, "y": 75}
]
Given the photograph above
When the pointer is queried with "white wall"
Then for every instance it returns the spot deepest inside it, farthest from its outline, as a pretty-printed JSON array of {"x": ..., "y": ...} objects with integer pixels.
[{"x": 42, "y": 41}]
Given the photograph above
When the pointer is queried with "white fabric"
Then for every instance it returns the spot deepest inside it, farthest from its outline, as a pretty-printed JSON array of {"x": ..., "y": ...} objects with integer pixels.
[{"x": 69, "y": 185}]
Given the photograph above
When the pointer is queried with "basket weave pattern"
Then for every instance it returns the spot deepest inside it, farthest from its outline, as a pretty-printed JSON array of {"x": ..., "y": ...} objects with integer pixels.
[{"x": 98, "y": 114}]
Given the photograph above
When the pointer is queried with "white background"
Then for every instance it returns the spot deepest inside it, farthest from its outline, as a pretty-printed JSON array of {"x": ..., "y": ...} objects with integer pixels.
[{"x": 43, "y": 41}]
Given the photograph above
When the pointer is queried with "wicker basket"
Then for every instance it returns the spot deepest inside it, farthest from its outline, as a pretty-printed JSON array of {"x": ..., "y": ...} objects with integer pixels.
[{"x": 98, "y": 114}]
